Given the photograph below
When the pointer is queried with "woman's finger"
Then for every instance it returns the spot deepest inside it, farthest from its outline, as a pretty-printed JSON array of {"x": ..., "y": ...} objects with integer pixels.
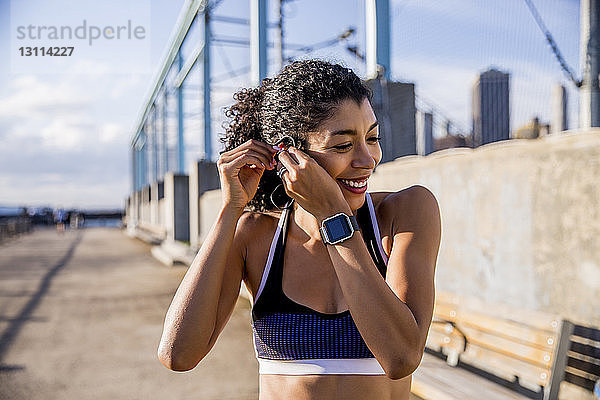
[
  {"x": 301, "y": 156},
  {"x": 289, "y": 161},
  {"x": 232, "y": 167},
  {"x": 242, "y": 161},
  {"x": 256, "y": 145},
  {"x": 232, "y": 156},
  {"x": 252, "y": 146},
  {"x": 266, "y": 159},
  {"x": 261, "y": 147}
]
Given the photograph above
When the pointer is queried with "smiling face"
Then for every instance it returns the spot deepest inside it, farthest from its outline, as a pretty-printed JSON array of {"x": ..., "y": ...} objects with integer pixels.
[{"x": 347, "y": 147}]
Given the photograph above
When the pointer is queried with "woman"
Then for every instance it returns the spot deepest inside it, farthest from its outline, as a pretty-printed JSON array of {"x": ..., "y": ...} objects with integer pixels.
[{"x": 344, "y": 293}]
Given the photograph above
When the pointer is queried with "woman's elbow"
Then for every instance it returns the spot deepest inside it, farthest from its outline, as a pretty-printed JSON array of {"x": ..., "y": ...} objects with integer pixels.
[
  {"x": 402, "y": 367},
  {"x": 176, "y": 362}
]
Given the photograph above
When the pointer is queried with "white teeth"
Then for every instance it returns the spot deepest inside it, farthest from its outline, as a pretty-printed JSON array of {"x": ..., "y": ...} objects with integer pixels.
[{"x": 356, "y": 184}]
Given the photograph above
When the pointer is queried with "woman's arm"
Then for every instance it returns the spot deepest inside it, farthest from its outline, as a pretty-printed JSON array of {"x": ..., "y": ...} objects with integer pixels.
[
  {"x": 393, "y": 317},
  {"x": 206, "y": 296}
]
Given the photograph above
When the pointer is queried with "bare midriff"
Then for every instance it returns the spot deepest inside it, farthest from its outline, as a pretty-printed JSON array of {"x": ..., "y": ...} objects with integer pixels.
[{"x": 347, "y": 387}]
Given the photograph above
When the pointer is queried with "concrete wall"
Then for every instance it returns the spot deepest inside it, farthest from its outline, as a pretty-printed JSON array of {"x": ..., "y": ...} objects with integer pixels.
[
  {"x": 204, "y": 176},
  {"x": 162, "y": 204},
  {"x": 210, "y": 204},
  {"x": 144, "y": 214},
  {"x": 521, "y": 220},
  {"x": 176, "y": 207},
  {"x": 155, "y": 195}
]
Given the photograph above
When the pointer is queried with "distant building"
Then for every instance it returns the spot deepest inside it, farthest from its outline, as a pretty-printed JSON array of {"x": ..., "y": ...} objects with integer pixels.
[
  {"x": 449, "y": 142},
  {"x": 395, "y": 109},
  {"x": 532, "y": 130},
  {"x": 559, "y": 109},
  {"x": 491, "y": 107},
  {"x": 446, "y": 128},
  {"x": 424, "y": 125}
]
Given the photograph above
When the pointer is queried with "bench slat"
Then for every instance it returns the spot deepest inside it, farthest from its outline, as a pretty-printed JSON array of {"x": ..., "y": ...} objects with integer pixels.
[
  {"x": 585, "y": 366},
  {"x": 501, "y": 345},
  {"x": 511, "y": 330},
  {"x": 505, "y": 366},
  {"x": 439, "y": 338},
  {"x": 538, "y": 355},
  {"x": 534, "y": 319},
  {"x": 434, "y": 380},
  {"x": 587, "y": 384},
  {"x": 585, "y": 349},
  {"x": 518, "y": 349},
  {"x": 586, "y": 332}
]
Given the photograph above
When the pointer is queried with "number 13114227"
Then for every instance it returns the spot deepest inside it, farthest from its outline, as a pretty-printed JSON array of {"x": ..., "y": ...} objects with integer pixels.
[{"x": 46, "y": 51}]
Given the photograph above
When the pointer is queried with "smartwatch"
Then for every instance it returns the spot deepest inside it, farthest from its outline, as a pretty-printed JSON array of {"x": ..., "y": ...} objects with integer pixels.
[{"x": 338, "y": 228}]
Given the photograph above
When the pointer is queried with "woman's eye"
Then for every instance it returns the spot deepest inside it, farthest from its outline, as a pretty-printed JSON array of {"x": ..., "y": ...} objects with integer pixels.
[
  {"x": 345, "y": 146},
  {"x": 374, "y": 139}
]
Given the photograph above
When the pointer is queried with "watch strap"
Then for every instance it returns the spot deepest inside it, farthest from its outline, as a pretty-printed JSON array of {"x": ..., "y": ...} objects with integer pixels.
[{"x": 353, "y": 223}]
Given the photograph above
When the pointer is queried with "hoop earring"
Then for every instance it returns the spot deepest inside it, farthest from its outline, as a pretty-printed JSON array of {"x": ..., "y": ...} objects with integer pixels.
[{"x": 287, "y": 204}]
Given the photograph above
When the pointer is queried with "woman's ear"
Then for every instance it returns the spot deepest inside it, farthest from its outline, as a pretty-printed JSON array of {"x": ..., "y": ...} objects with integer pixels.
[{"x": 301, "y": 144}]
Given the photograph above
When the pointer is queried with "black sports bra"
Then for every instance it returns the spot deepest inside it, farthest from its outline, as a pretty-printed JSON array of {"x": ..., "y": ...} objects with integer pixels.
[{"x": 286, "y": 331}]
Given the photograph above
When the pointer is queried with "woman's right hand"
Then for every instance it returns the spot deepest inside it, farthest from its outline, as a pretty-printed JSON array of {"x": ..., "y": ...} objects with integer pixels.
[{"x": 240, "y": 170}]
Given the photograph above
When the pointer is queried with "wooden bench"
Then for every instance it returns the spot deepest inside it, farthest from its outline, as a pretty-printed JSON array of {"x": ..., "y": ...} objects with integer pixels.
[{"x": 477, "y": 350}]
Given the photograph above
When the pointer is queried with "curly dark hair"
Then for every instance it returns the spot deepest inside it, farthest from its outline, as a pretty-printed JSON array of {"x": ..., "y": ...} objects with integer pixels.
[{"x": 296, "y": 101}]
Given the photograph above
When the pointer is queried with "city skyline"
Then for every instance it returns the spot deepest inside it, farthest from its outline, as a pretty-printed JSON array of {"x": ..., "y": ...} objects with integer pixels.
[
  {"x": 72, "y": 130},
  {"x": 491, "y": 107}
]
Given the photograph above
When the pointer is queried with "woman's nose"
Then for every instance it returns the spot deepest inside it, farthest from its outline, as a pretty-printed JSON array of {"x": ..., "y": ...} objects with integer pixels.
[{"x": 363, "y": 158}]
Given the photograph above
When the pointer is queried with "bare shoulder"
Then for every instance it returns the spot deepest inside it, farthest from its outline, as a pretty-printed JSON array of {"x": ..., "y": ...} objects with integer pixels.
[
  {"x": 254, "y": 234},
  {"x": 410, "y": 208},
  {"x": 253, "y": 226},
  {"x": 252, "y": 221}
]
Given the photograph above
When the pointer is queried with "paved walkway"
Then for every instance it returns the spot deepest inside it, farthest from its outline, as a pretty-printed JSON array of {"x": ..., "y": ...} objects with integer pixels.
[{"x": 81, "y": 315}]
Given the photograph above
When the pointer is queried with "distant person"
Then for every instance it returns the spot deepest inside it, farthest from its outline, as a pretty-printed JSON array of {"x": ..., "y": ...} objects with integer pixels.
[
  {"x": 60, "y": 217},
  {"x": 342, "y": 280},
  {"x": 75, "y": 220}
]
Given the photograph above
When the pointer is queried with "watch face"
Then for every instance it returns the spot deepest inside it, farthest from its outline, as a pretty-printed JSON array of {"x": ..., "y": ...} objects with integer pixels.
[{"x": 338, "y": 228}]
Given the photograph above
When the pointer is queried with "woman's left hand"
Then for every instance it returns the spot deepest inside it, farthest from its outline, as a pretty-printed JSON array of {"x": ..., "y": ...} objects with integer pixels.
[{"x": 311, "y": 185}]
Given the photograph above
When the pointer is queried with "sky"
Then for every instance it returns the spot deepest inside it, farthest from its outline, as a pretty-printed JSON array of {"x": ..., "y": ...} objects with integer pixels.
[{"x": 66, "y": 122}]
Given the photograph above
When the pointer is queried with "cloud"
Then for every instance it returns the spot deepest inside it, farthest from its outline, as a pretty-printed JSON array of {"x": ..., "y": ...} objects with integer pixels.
[
  {"x": 30, "y": 95},
  {"x": 125, "y": 84},
  {"x": 91, "y": 67},
  {"x": 110, "y": 132},
  {"x": 55, "y": 190},
  {"x": 64, "y": 134},
  {"x": 57, "y": 144},
  {"x": 93, "y": 176}
]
